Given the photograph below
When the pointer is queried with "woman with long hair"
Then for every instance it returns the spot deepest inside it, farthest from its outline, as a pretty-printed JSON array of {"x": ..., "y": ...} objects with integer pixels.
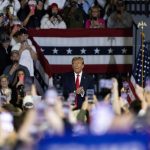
[{"x": 95, "y": 21}]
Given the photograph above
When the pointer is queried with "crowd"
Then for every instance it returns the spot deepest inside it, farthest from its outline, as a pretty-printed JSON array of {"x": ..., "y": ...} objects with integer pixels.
[
  {"x": 41, "y": 14},
  {"x": 26, "y": 116}
]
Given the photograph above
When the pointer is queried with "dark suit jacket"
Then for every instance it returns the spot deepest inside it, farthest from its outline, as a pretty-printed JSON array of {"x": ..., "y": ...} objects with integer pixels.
[{"x": 69, "y": 85}]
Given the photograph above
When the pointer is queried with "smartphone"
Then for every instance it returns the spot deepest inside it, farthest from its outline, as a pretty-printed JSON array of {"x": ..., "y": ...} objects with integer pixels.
[
  {"x": 3, "y": 100},
  {"x": 21, "y": 78},
  {"x": 6, "y": 120},
  {"x": 125, "y": 84},
  {"x": 124, "y": 95},
  {"x": 60, "y": 94},
  {"x": 32, "y": 8},
  {"x": 40, "y": 109},
  {"x": 147, "y": 83},
  {"x": 90, "y": 94},
  {"x": 105, "y": 83},
  {"x": 71, "y": 98},
  {"x": 51, "y": 96},
  {"x": 25, "y": 43},
  {"x": 66, "y": 108},
  {"x": 40, "y": 115}
]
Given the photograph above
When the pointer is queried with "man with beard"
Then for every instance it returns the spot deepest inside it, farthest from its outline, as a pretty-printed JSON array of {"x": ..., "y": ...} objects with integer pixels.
[
  {"x": 73, "y": 15},
  {"x": 11, "y": 70}
]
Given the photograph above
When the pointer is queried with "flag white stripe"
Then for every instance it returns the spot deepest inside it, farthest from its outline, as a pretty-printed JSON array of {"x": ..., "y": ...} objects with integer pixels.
[
  {"x": 132, "y": 79},
  {"x": 84, "y": 41},
  {"x": 131, "y": 95},
  {"x": 101, "y": 59}
]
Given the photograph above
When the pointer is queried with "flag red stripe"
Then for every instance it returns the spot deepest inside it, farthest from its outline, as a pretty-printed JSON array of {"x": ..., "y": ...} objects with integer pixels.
[
  {"x": 81, "y": 33},
  {"x": 133, "y": 90},
  {"x": 93, "y": 68}
]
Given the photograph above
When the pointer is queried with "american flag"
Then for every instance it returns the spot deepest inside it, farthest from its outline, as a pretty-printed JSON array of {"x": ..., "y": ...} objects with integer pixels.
[
  {"x": 142, "y": 66},
  {"x": 103, "y": 50},
  {"x": 140, "y": 72}
]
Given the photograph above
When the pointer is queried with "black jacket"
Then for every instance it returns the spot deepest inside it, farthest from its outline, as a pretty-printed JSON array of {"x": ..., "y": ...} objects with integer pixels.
[{"x": 69, "y": 85}]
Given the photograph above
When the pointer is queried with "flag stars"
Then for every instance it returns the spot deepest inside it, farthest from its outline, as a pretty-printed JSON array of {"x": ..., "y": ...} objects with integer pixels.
[
  {"x": 97, "y": 51},
  {"x": 83, "y": 51},
  {"x": 55, "y": 51},
  {"x": 124, "y": 51},
  {"x": 110, "y": 50},
  {"x": 69, "y": 51}
]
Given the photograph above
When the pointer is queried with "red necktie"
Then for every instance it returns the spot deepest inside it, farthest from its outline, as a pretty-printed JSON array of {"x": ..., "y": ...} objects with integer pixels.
[
  {"x": 77, "y": 82},
  {"x": 77, "y": 86}
]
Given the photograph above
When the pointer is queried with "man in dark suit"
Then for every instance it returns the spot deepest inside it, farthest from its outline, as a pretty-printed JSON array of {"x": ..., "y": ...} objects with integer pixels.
[{"x": 77, "y": 81}]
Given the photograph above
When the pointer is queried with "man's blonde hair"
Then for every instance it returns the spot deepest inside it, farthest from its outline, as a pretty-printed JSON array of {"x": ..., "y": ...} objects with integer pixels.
[{"x": 78, "y": 58}]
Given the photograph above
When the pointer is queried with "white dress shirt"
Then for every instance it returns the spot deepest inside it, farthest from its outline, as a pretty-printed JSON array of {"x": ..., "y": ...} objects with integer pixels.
[{"x": 80, "y": 76}]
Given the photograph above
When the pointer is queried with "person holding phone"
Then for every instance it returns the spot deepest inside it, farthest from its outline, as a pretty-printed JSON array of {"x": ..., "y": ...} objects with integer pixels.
[
  {"x": 77, "y": 81},
  {"x": 26, "y": 49},
  {"x": 31, "y": 12},
  {"x": 18, "y": 88},
  {"x": 53, "y": 18},
  {"x": 11, "y": 69}
]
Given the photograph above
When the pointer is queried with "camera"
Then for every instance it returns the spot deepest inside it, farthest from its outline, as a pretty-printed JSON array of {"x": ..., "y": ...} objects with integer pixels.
[
  {"x": 20, "y": 90},
  {"x": 94, "y": 18}
]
